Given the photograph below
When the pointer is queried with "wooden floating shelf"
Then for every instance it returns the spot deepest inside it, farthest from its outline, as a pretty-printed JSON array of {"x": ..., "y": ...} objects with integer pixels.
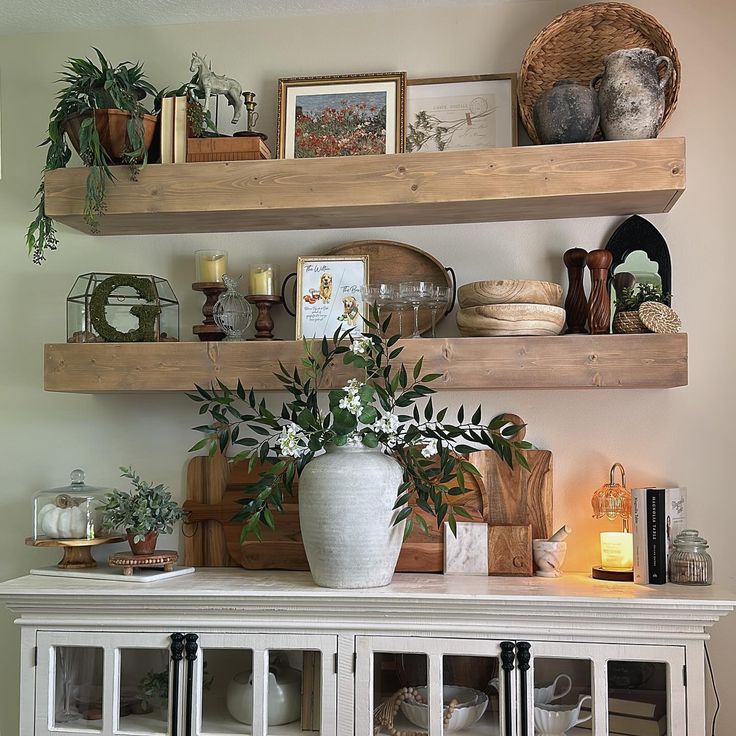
[
  {"x": 570, "y": 361},
  {"x": 524, "y": 183}
]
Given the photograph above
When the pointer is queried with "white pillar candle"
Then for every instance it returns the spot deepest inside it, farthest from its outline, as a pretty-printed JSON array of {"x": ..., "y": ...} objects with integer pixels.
[
  {"x": 617, "y": 551},
  {"x": 211, "y": 265},
  {"x": 262, "y": 280}
]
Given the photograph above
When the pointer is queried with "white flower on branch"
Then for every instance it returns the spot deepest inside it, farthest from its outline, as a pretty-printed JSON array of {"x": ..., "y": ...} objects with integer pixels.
[{"x": 292, "y": 441}]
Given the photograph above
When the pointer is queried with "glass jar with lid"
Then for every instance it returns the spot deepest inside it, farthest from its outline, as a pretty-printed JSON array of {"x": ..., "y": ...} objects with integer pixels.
[
  {"x": 69, "y": 512},
  {"x": 690, "y": 563}
]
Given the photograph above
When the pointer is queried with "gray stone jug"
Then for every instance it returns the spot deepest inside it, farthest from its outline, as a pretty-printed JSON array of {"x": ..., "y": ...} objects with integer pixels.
[
  {"x": 632, "y": 95},
  {"x": 567, "y": 113}
]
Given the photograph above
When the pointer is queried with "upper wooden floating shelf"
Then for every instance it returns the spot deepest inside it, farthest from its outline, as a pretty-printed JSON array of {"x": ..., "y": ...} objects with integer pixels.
[
  {"x": 570, "y": 361},
  {"x": 524, "y": 183}
]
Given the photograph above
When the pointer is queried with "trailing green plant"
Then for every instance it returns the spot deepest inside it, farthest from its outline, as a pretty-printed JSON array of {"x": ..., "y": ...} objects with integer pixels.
[
  {"x": 390, "y": 406},
  {"x": 148, "y": 509},
  {"x": 89, "y": 87},
  {"x": 632, "y": 298}
]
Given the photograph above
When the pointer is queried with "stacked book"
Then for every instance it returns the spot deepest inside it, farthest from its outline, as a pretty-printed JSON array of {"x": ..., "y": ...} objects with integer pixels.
[
  {"x": 173, "y": 130},
  {"x": 659, "y": 515},
  {"x": 634, "y": 713}
]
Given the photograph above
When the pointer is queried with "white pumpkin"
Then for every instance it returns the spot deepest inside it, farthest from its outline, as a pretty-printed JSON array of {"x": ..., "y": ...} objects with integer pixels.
[{"x": 63, "y": 523}]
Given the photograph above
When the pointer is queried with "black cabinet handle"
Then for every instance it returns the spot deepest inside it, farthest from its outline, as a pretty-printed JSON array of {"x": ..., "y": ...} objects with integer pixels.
[
  {"x": 523, "y": 657},
  {"x": 177, "y": 654},
  {"x": 190, "y": 649},
  {"x": 507, "y": 665}
]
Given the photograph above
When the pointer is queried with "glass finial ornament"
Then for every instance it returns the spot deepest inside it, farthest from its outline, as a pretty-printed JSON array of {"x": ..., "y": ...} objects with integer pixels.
[
  {"x": 611, "y": 501},
  {"x": 232, "y": 313}
]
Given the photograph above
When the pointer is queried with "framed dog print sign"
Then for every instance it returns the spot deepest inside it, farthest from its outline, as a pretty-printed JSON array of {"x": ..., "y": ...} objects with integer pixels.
[{"x": 328, "y": 294}]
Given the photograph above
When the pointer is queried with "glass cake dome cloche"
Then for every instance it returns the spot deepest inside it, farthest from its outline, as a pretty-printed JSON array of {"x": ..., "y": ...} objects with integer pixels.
[{"x": 69, "y": 512}]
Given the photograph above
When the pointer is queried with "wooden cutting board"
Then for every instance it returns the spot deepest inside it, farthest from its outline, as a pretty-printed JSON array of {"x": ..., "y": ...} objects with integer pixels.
[
  {"x": 212, "y": 538},
  {"x": 516, "y": 496}
]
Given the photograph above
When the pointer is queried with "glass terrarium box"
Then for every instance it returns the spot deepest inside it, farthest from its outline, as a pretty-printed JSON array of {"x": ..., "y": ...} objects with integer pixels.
[
  {"x": 109, "y": 307},
  {"x": 69, "y": 512}
]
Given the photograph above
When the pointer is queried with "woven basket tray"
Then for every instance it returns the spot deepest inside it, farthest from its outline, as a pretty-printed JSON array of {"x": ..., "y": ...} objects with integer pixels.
[
  {"x": 628, "y": 323},
  {"x": 573, "y": 45}
]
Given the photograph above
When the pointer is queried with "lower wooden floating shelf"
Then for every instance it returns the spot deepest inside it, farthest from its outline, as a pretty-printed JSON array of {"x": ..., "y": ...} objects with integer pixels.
[{"x": 569, "y": 361}]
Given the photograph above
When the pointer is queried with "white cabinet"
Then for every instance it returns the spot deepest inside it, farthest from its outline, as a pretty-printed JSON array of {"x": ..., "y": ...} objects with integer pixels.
[
  {"x": 118, "y": 683},
  {"x": 270, "y": 654}
]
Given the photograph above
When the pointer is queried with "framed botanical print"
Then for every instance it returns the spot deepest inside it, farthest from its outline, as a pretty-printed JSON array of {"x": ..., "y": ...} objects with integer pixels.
[
  {"x": 350, "y": 115},
  {"x": 328, "y": 294},
  {"x": 449, "y": 113}
]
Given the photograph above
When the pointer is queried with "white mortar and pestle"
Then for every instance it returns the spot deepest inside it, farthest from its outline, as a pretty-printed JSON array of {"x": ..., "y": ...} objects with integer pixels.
[{"x": 549, "y": 554}]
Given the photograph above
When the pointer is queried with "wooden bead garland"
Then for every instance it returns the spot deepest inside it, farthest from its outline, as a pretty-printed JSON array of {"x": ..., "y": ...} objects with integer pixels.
[{"x": 384, "y": 714}]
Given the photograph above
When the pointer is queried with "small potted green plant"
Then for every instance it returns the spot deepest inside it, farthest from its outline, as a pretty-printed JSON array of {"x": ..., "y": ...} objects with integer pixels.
[
  {"x": 100, "y": 112},
  {"x": 626, "y": 319},
  {"x": 144, "y": 514}
]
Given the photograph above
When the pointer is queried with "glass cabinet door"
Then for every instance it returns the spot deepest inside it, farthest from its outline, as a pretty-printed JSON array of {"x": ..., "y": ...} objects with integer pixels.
[
  {"x": 606, "y": 689},
  {"x": 265, "y": 685},
  {"x": 434, "y": 686},
  {"x": 103, "y": 684}
]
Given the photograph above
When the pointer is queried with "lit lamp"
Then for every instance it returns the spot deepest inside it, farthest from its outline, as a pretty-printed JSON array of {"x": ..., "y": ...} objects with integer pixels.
[{"x": 617, "y": 548}]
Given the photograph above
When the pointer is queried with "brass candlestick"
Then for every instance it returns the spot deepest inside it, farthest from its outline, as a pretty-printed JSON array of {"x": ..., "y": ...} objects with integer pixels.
[
  {"x": 264, "y": 322},
  {"x": 208, "y": 330},
  {"x": 251, "y": 117}
]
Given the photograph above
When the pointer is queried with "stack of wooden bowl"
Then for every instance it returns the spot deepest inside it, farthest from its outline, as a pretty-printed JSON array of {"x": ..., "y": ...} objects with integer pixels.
[{"x": 510, "y": 307}]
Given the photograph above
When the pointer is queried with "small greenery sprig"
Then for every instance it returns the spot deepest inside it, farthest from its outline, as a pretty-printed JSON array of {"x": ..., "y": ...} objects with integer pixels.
[
  {"x": 89, "y": 87},
  {"x": 632, "y": 298},
  {"x": 149, "y": 509},
  {"x": 388, "y": 406}
]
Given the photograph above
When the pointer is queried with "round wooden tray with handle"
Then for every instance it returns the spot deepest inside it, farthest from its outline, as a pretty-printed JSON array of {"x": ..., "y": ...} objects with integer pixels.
[{"x": 391, "y": 262}]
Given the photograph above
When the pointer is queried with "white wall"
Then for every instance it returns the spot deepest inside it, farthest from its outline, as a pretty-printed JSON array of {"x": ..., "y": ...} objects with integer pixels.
[{"x": 679, "y": 436}]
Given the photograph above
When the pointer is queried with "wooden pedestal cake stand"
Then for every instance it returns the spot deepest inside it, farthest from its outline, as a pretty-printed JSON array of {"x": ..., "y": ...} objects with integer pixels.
[
  {"x": 77, "y": 552},
  {"x": 165, "y": 558}
]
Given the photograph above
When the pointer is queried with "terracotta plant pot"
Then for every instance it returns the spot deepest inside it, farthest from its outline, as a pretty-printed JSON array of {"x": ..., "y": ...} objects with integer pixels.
[
  {"x": 112, "y": 126},
  {"x": 146, "y": 546}
]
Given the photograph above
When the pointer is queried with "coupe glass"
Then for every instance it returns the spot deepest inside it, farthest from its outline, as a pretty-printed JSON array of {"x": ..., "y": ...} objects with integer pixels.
[
  {"x": 439, "y": 299},
  {"x": 382, "y": 295},
  {"x": 416, "y": 294}
]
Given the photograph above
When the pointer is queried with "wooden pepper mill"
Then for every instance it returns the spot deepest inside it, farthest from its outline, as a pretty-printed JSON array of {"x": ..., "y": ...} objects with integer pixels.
[
  {"x": 576, "y": 305},
  {"x": 599, "y": 303}
]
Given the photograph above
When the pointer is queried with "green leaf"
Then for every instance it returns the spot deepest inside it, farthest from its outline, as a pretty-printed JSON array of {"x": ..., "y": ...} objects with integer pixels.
[
  {"x": 470, "y": 468},
  {"x": 370, "y": 439},
  {"x": 418, "y": 368},
  {"x": 429, "y": 410},
  {"x": 368, "y": 415},
  {"x": 460, "y": 414},
  {"x": 477, "y": 415},
  {"x": 403, "y": 378},
  {"x": 431, "y": 377}
]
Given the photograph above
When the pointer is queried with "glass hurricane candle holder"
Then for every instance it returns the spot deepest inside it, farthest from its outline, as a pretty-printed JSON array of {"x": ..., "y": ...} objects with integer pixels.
[
  {"x": 211, "y": 266},
  {"x": 262, "y": 279}
]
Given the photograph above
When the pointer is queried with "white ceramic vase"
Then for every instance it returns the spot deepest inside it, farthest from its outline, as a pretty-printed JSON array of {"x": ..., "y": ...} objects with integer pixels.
[{"x": 346, "y": 499}]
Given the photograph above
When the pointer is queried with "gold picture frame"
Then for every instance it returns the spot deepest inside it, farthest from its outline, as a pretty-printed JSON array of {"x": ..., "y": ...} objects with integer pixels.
[
  {"x": 460, "y": 112},
  {"x": 314, "y": 100},
  {"x": 324, "y": 304}
]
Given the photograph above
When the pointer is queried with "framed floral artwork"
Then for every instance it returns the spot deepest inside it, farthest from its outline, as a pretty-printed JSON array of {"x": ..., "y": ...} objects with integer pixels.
[
  {"x": 449, "y": 113},
  {"x": 350, "y": 115},
  {"x": 328, "y": 294}
]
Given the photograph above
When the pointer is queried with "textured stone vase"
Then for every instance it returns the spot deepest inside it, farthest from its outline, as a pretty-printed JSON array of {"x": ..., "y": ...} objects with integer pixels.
[
  {"x": 567, "y": 113},
  {"x": 631, "y": 94},
  {"x": 346, "y": 499}
]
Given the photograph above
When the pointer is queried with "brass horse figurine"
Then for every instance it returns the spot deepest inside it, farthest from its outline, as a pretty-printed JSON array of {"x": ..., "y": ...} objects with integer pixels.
[{"x": 208, "y": 83}]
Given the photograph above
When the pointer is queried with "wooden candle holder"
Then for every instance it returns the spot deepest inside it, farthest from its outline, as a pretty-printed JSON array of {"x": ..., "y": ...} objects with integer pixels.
[
  {"x": 264, "y": 322},
  {"x": 208, "y": 330}
]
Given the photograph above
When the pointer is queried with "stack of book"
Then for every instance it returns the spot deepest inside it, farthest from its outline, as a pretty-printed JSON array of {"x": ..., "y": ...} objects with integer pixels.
[
  {"x": 659, "y": 515},
  {"x": 173, "y": 130},
  {"x": 634, "y": 713}
]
